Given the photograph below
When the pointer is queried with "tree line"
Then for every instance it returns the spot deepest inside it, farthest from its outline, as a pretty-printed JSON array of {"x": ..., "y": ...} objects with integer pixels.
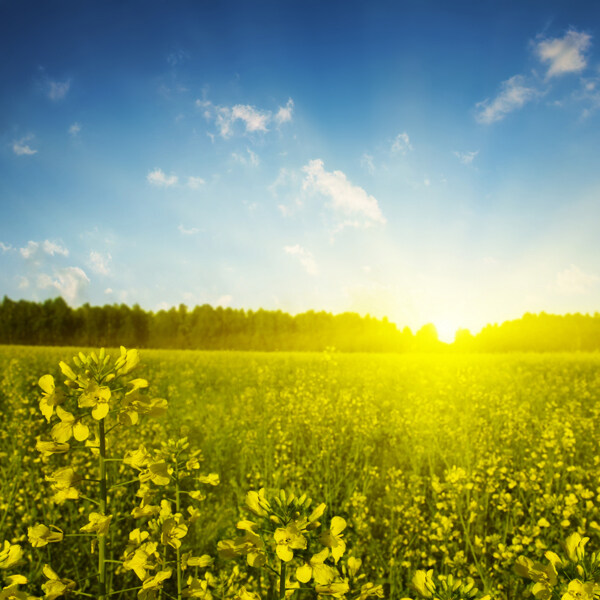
[{"x": 55, "y": 323}]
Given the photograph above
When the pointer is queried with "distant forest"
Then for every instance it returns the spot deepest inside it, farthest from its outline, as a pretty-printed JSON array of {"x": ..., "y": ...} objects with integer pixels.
[{"x": 55, "y": 323}]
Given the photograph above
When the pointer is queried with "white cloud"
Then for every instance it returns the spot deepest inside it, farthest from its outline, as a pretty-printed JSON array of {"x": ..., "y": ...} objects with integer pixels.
[
  {"x": 426, "y": 182},
  {"x": 100, "y": 263},
  {"x": 71, "y": 283},
  {"x": 466, "y": 158},
  {"x": 402, "y": 143},
  {"x": 284, "y": 114},
  {"x": 224, "y": 301},
  {"x": 252, "y": 119},
  {"x": 108, "y": 291},
  {"x": 252, "y": 158},
  {"x": 52, "y": 248},
  {"x": 305, "y": 257},
  {"x": 574, "y": 281},
  {"x": 57, "y": 90},
  {"x": 23, "y": 283},
  {"x": 74, "y": 129},
  {"x": 46, "y": 246},
  {"x": 566, "y": 54},
  {"x": 191, "y": 231},
  {"x": 366, "y": 161},
  {"x": 20, "y": 148},
  {"x": 195, "y": 183},
  {"x": 514, "y": 94},
  {"x": 351, "y": 200},
  {"x": 30, "y": 250},
  {"x": 5, "y": 247},
  {"x": 157, "y": 177}
]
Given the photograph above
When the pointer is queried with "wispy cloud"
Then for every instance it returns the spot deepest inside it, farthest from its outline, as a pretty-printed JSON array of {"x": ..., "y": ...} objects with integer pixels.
[
  {"x": 53, "y": 248},
  {"x": 100, "y": 263},
  {"x": 366, "y": 161},
  {"x": 190, "y": 231},
  {"x": 177, "y": 57},
  {"x": 57, "y": 90},
  {"x": 348, "y": 199},
  {"x": 48, "y": 247},
  {"x": 71, "y": 283},
  {"x": 514, "y": 94},
  {"x": 5, "y": 247},
  {"x": 195, "y": 183},
  {"x": 566, "y": 54},
  {"x": 284, "y": 114},
  {"x": 251, "y": 159},
  {"x": 307, "y": 260},
  {"x": 74, "y": 129},
  {"x": 21, "y": 148},
  {"x": 251, "y": 118},
  {"x": 466, "y": 158},
  {"x": 402, "y": 143},
  {"x": 30, "y": 250},
  {"x": 157, "y": 177},
  {"x": 574, "y": 281}
]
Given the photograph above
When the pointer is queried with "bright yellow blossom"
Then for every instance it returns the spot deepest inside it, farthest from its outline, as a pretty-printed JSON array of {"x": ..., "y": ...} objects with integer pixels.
[
  {"x": 332, "y": 538},
  {"x": 40, "y": 535},
  {"x": 10, "y": 555}
]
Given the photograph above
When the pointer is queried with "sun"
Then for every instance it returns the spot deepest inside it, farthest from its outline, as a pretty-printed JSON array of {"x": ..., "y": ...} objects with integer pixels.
[{"x": 447, "y": 327}]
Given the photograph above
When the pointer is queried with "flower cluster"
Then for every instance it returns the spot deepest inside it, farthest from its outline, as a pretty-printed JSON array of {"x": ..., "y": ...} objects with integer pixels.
[{"x": 285, "y": 537}]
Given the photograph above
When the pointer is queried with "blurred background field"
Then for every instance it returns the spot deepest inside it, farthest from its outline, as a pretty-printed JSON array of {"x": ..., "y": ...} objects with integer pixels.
[{"x": 454, "y": 462}]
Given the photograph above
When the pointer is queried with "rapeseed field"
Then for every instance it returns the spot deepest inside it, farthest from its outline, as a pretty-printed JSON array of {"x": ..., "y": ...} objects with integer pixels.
[{"x": 174, "y": 474}]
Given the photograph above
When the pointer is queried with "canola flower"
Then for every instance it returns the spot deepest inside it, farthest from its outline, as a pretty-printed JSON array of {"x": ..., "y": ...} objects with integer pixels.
[
  {"x": 285, "y": 538},
  {"x": 484, "y": 461}
]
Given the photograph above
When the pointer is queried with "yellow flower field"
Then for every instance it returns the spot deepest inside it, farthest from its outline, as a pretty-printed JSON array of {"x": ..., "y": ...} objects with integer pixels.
[{"x": 434, "y": 476}]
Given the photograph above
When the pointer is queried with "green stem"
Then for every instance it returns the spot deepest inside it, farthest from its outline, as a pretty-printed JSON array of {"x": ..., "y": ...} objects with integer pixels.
[
  {"x": 178, "y": 509},
  {"x": 102, "y": 504},
  {"x": 282, "y": 581}
]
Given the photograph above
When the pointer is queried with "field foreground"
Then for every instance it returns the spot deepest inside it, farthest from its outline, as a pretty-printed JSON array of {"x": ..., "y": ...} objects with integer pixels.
[{"x": 456, "y": 463}]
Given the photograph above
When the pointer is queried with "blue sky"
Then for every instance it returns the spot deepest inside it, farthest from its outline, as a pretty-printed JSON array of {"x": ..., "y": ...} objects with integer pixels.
[{"x": 428, "y": 161}]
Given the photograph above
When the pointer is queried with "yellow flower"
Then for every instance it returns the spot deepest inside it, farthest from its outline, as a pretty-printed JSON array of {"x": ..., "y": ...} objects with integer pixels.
[
  {"x": 332, "y": 538},
  {"x": 422, "y": 581},
  {"x": 128, "y": 361},
  {"x": 62, "y": 482},
  {"x": 49, "y": 448},
  {"x": 198, "y": 588},
  {"x": 575, "y": 547},
  {"x": 12, "y": 592},
  {"x": 187, "y": 560},
  {"x": 137, "y": 560},
  {"x": 137, "y": 459},
  {"x": 10, "y": 555},
  {"x": 151, "y": 585},
  {"x": 316, "y": 569},
  {"x": 39, "y": 535},
  {"x": 354, "y": 565},
  {"x": 55, "y": 586},
  {"x": 97, "y": 397},
  {"x": 288, "y": 539},
  {"x": 210, "y": 479},
  {"x": 173, "y": 529},
  {"x": 370, "y": 589},
  {"x": 581, "y": 591},
  {"x": 69, "y": 426},
  {"x": 99, "y": 524},
  {"x": 157, "y": 472},
  {"x": 337, "y": 589},
  {"x": 258, "y": 503},
  {"x": 51, "y": 397}
]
